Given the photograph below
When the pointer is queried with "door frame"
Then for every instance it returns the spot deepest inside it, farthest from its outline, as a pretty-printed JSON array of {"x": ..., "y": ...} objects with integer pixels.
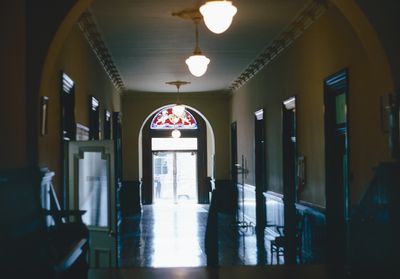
[
  {"x": 176, "y": 151},
  {"x": 289, "y": 165},
  {"x": 67, "y": 128},
  {"x": 199, "y": 133},
  {"x": 337, "y": 203},
  {"x": 234, "y": 158},
  {"x": 76, "y": 150},
  {"x": 260, "y": 169}
]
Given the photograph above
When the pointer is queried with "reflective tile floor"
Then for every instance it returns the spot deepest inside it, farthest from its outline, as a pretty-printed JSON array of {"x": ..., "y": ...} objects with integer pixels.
[{"x": 173, "y": 236}]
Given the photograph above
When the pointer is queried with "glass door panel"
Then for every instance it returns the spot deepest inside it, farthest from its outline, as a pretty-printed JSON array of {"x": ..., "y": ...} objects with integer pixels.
[
  {"x": 186, "y": 163},
  {"x": 174, "y": 177},
  {"x": 93, "y": 192},
  {"x": 163, "y": 176}
]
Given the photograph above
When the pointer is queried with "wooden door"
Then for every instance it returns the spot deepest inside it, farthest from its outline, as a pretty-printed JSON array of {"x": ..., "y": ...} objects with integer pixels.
[
  {"x": 289, "y": 147},
  {"x": 337, "y": 166},
  {"x": 91, "y": 187},
  {"x": 259, "y": 143}
]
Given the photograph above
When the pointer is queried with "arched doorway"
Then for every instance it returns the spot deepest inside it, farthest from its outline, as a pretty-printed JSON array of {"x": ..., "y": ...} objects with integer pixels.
[{"x": 168, "y": 161}]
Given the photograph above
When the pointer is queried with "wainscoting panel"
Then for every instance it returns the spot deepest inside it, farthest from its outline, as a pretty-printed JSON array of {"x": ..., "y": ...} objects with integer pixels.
[
  {"x": 129, "y": 197},
  {"x": 247, "y": 202},
  {"x": 274, "y": 209},
  {"x": 314, "y": 233}
]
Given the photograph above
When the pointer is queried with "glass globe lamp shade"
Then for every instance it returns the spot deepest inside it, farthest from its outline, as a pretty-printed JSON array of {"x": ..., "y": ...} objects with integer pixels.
[
  {"x": 178, "y": 110},
  {"x": 176, "y": 134},
  {"x": 197, "y": 64},
  {"x": 218, "y": 15}
]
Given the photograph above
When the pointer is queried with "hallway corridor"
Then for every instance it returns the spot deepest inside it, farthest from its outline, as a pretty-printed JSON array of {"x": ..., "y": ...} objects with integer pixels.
[{"x": 173, "y": 236}]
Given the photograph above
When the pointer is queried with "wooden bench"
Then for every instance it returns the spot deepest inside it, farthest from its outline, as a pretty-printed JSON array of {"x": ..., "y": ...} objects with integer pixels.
[{"x": 31, "y": 247}]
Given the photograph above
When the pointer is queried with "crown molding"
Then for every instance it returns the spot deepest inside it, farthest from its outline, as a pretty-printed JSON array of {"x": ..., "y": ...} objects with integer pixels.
[
  {"x": 295, "y": 29},
  {"x": 89, "y": 29}
]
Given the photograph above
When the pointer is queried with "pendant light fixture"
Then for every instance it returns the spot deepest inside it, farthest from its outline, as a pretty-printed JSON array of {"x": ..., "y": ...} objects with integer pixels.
[
  {"x": 178, "y": 109},
  {"x": 176, "y": 134},
  {"x": 218, "y": 15},
  {"x": 197, "y": 63}
]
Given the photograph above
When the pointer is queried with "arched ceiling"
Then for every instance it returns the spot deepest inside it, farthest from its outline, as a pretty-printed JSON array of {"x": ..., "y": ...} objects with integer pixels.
[{"x": 149, "y": 46}]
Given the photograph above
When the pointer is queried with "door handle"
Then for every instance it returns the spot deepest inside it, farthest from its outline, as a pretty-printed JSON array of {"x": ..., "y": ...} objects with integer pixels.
[{"x": 111, "y": 233}]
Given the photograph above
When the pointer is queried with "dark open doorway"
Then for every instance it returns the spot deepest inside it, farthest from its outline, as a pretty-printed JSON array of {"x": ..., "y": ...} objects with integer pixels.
[
  {"x": 337, "y": 165},
  {"x": 289, "y": 148},
  {"x": 234, "y": 159},
  {"x": 259, "y": 143},
  {"x": 67, "y": 125},
  {"x": 259, "y": 149}
]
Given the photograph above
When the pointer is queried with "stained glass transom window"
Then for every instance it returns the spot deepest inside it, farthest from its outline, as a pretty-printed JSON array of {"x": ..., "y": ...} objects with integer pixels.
[{"x": 166, "y": 119}]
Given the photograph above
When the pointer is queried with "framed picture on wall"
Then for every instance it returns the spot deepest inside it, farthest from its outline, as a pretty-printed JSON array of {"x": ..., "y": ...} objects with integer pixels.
[
  {"x": 391, "y": 105},
  {"x": 44, "y": 103},
  {"x": 386, "y": 102}
]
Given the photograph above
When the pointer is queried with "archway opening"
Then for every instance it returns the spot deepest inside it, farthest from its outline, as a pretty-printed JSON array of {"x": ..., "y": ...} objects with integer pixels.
[
  {"x": 174, "y": 193},
  {"x": 183, "y": 165}
]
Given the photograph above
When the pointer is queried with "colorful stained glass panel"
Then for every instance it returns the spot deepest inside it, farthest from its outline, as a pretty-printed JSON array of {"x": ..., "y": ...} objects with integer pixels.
[{"x": 166, "y": 119}]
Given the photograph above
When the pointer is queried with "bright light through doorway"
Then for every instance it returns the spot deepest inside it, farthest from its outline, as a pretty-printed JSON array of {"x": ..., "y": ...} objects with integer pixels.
[
  {"x": 174, "y": 170},
  {"x": 173, "y": 144}
]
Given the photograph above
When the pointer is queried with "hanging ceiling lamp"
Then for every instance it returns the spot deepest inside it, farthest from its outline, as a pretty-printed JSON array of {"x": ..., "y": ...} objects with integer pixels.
[
  {"x": 176, "y": 134},
  {"x": 197, "y": 63},
  {"x": 218, "y": 15},
  {"x": 178, "y": 109}
]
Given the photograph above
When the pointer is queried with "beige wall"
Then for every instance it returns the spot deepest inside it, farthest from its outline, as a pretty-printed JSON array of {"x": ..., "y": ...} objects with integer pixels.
[
  {"x": 13, "y": 147},
  {"x": 327, "y": 47},
  {"x": 79, "y": 62},
  {"x": 138, "y": 106}
]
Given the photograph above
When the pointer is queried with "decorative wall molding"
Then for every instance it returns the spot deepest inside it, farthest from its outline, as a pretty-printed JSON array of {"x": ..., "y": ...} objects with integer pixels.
[
  {"x": 274, "y": 195},
  {"x": 89, "y": 28},
  {"x": 294, "y": 30}
]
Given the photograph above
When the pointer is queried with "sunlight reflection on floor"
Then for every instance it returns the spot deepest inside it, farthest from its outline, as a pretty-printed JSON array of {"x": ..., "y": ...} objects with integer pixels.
[
  {"x": 176, "y": 235},
  {"x": 172, "y": 235}
]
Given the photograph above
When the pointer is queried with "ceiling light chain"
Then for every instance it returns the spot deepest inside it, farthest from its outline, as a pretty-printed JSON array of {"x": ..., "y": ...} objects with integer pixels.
[
  {"x": 178, "y": 109},
  {"x": 197, "y": 48},
  {"x": 197, "y": 63}
]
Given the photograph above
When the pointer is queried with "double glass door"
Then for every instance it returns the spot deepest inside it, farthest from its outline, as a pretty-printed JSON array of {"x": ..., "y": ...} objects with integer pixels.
[{"x": 175, "y": 177}]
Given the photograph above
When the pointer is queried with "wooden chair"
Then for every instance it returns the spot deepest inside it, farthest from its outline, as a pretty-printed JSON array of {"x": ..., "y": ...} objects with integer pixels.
[
  {"x": 279, "y": 244},
  {"x": 68, "y": 234},
  {"x": 29, "y": 247}
]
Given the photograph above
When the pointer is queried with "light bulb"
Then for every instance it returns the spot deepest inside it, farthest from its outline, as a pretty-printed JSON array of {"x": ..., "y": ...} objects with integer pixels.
[
  {"x": 178, "y": 110},
  {"x": 176, "y": 134},
  {"x": 218, "y": 15},
  {"x": 197, "y": 64}
]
